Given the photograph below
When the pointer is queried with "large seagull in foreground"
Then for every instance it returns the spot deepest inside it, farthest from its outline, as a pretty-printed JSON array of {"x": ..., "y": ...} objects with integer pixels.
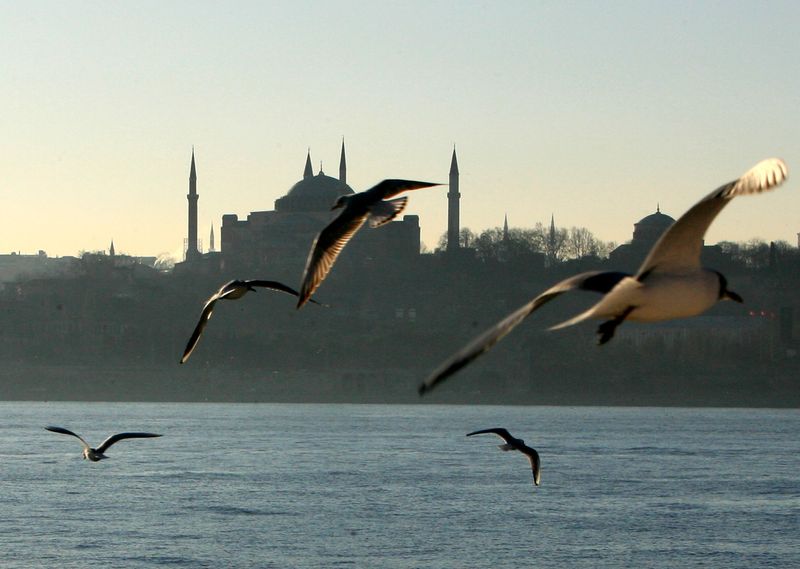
[
  {"x": 512, "y": 443},
  {"x": 95, "y": 454},
  {"x": 373, "y": 205},
  {"x": 671, "y": 283},
  {"x": 232, "y": 290}
]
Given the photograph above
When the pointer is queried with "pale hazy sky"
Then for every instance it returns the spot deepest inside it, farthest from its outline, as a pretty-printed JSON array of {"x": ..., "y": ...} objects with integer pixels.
[{"x": 592, "y": 111}]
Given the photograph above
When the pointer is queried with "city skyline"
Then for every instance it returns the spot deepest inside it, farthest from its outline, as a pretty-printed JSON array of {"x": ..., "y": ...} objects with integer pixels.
[{"x": 593, "y": 114}]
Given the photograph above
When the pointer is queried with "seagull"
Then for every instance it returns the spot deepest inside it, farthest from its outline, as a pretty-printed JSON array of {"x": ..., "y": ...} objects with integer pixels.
[
  {"x": 371, "y": 205},
  {"x": 671, "y": 283},
  {"x": 512, "y": 443},
  {"x": 230, "y": 291},
  {"x": 95, "y": 454}
]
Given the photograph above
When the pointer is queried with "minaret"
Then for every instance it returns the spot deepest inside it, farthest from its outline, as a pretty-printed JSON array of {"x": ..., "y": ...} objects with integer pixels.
[
  {"x": 551, "y": 242},
  {"x": 505, "y": 229},
  {"x": 342, "y": 166},
  {"x": 308, "y": 172},
  {"x": 453, "y": 198},
  {"x": 211, "y": 239},
  {"x": 191, "y": 241},
  {"x": 111, "y": 251}
]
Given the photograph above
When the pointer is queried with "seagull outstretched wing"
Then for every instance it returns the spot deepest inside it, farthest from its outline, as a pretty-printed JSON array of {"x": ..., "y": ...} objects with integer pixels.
[
  {"x": 64, "y": 431},
  {"x": 596, "y": 281},
  {"x": 680, "y": 246},
  {"x": 120, "y": 436}
]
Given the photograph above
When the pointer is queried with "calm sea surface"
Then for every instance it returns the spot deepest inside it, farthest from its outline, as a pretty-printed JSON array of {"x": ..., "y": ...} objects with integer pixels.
[{"x": 232, "y": 485}]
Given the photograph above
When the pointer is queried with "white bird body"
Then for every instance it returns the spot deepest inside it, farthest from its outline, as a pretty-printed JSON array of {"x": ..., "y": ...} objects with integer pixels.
[{"x": 661, "y": 296}]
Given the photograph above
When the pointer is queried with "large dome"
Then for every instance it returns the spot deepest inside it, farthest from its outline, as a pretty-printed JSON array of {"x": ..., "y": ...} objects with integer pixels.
[
  {"x": 650, "y": 227},
  {"x": 313, "y": 193}
]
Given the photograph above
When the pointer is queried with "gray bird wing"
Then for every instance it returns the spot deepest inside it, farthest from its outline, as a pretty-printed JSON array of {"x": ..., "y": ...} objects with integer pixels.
[
  {"x": 383, "y": 212},
  {"x": 64, "y": 431},
  {"x": 499, "y": 431},
  {"x": 208, "y": 309},
  {"x": 680, "y": 246},
  {"x": 118, "y": 437},
  {"x": 326, "y": 248},
  {"x": 390, "y": 188},
  {"x": 533, "y": 457},
  {"x": 596, "y": 281},
  {"x": 275, "y": 285}
]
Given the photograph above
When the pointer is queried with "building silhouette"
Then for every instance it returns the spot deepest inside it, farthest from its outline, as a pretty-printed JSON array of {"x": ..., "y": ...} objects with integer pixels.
[{"x": 283, "y": 235}]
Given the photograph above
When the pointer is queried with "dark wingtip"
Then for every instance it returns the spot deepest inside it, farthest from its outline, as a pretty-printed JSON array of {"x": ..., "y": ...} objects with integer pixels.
[{"x": 422, "y": 389}]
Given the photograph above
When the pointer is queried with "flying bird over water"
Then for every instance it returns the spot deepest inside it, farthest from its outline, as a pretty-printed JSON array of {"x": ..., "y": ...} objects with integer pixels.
[
  {"x": 95, "y": 454},
  {"x": 512, "y": 443},
  {"x": 373, "y": 205},
  {"x": 230, "y": 291},
  {"x": 671, "y": 283}
]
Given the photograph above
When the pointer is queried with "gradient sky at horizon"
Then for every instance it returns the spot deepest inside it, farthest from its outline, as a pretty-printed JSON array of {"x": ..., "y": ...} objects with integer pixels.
[{"x": 592, "y": 112}]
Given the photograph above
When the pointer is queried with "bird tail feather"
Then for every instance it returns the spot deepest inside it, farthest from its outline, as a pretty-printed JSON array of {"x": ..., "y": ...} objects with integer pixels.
[{"x": 575, "y": 320}]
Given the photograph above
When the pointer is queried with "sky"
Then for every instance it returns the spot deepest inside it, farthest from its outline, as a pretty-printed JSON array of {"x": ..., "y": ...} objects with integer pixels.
[{"x": 595, "y": 113}]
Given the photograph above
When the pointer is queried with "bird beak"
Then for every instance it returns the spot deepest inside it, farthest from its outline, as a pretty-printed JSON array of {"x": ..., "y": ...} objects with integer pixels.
[
  {"x": 730, "y": 295},
  {"x": 336, "y": 206}
]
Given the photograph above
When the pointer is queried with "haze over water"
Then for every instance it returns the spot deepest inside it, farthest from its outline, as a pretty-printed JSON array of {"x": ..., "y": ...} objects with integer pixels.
[{"x": 266, "y": 485}]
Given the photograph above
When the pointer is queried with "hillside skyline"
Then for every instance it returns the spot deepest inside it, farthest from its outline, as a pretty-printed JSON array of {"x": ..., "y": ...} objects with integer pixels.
[{"x": 594, "y": 114}]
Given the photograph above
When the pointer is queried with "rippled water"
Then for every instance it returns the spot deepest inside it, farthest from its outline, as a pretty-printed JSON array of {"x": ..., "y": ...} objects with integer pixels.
[{"x": 233, "y": 485}]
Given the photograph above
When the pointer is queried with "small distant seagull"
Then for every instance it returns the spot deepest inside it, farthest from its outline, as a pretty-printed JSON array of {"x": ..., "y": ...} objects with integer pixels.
[
  {"x": 95, "y": 454},
  {"x": 515, "y": 444},
  {"x": 669, "y": 284},
  {"x": 230, "y": 291},
  {"x": 372, "y": 205}
]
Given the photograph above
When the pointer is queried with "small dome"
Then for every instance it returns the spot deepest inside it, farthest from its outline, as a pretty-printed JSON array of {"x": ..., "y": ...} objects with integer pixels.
[{"x": 314, "y": 193}]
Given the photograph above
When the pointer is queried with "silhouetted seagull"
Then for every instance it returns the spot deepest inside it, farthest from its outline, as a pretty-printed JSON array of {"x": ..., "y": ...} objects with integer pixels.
[
  {"x": 95, "y": 454},
  {"x": 230, "y": 291},
  {"x": 669, "y": 284},
  {"x": 372, "y": 205},
  {"x": 515, "y": 444}
]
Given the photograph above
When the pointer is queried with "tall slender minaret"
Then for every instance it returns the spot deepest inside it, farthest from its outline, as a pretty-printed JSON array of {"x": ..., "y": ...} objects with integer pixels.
[
  {"x": 191, "y": 241},
  {"x": 505, "y": 229},
  {"x": 111, "y": 251},
  {"x": 211, "y": 239},
  {"x": 342, "y": 166},
  {"x": 453, "y": 198},
  {"x": 551, "y": 242},
  {"x": 309, "y": 171}
]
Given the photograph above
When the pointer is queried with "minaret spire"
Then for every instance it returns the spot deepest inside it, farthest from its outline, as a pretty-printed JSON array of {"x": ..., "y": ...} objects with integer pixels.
[
  {"x": 453, "y": 203},
  {"x": 191, "y": 240},
  {"x": 342, "y": 166},
  {"x": 308, "y": 172},
  {"x": 111, "y": 251},
  {"x": 551, "y": 242},
  {"x": 505, "y": 229},
  {"x": 211, "y": 239}
]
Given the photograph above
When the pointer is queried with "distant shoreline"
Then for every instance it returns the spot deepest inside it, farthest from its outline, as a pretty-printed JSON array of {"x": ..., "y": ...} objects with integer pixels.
[{"x": 39, "y": 382}]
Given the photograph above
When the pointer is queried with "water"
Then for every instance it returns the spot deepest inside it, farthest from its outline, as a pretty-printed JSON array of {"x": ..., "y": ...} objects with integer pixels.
[{"x": 399, "y": 486}]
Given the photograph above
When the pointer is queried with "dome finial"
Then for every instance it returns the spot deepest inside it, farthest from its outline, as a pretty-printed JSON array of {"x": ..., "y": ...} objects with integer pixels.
[{"x": 658, "y": 207}]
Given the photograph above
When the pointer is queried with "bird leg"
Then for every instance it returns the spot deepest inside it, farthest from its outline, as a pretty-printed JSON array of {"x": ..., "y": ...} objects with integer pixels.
[{"x": 606, "y": 329}]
